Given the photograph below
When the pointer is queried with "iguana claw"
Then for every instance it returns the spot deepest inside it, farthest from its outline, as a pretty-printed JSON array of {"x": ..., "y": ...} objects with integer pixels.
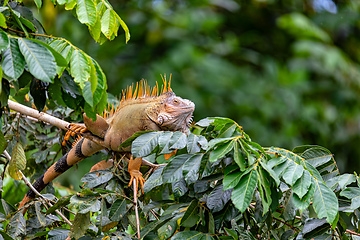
[
  {"x": 74, "y": 128},
  {"x": 137, "y": 175}
]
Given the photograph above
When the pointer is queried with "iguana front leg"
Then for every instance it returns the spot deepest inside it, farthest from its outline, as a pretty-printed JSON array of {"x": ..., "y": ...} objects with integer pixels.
[{"x": 134, "y": 170}]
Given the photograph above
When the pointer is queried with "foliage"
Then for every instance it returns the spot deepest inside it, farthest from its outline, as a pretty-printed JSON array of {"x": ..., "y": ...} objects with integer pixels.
[
  {"x": 220, "y": 184},
  {"x": 41, "y": 65}
]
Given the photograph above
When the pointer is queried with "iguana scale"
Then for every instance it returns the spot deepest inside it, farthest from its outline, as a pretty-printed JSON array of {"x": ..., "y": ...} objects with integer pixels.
[{"x": 139, "y": 110}]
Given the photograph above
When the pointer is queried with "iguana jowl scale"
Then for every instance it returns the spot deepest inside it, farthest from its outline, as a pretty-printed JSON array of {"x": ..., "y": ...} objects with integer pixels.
[{"x": 141, "y": 109}]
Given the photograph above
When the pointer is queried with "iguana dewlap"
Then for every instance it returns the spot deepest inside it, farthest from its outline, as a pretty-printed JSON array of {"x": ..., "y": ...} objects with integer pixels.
[{"x": 138, "y": 110}]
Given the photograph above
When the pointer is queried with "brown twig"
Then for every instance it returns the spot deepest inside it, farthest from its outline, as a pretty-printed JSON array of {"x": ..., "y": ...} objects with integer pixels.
[
  {"x": 34, "y": 34},
  {"x": 352, "y": 232},
  {"x": 136, "y": 209}
]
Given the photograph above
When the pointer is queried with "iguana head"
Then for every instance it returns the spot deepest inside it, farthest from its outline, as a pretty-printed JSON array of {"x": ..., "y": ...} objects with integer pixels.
[{"x": 172, "y": 113}]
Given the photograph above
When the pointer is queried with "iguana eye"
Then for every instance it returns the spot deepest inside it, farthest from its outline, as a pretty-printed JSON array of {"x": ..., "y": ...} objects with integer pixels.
[{"x": 176, "y": 101}]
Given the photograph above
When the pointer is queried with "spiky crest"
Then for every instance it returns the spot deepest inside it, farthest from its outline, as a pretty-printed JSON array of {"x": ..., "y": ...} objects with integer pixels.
[{"x": 142, "y": 92}]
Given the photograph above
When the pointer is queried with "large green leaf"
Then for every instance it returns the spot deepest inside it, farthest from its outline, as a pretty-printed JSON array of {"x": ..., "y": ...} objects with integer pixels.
[
  {"x": 188, "y": 235},
  {"x": 302, "y": 185},
  {"x": 80, "y": 67},
  {"x": 117, "y": 210},
  {"x": 86, "y": 12},
  {"x": 18, "y": 161},
  {"x": 325, "y": 202},
  {"x": 191, "y": 168},
  {"x": 39, "y": 59},
  {"x": 4, "y": 40},
  {"x": 173, "y": 170},
  {"x": 80, "y": 224},
  {"x": 92, "y": 205},
  {"x": 60, "y": 60},
  {"x": 145, "y": 144},
  {"x": 221, "y": 151},
  {"x": 243, "y": 192},
  {"x": 124, "y": 26},
  {"x": 16, "y": 226},
  {"x": 218, "y": 198},
  {"x": 191, "y": 215},
  {"x": 154, "y": 180},
  {"x": 13, "y": 62},
  {"x": 292, "y": 173},
  {"x": 96, "y": 178},
  {"x": 108, "y": 23},
  {"x": 352, "y": 193}
]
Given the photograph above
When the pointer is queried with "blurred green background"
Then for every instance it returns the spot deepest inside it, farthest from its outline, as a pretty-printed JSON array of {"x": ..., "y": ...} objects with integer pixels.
[{"x": 286, "y": 70}]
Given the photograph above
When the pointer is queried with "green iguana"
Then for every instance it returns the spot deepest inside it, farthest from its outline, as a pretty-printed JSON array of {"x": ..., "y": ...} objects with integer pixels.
[{"x": 139, "y": 110}]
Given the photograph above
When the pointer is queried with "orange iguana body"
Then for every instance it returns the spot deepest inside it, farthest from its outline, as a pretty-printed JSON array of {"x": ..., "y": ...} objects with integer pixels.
[{"x": 139, "y": 110}]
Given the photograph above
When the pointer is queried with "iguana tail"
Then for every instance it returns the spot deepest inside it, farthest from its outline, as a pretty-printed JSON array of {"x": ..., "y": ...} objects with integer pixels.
[{"x": 81, "y": 150}]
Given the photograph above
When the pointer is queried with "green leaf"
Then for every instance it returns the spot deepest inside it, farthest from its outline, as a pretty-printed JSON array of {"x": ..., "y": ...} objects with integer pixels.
[
  {"x": 81, "y": 223},
  {"x": 3, "y": 143},
  {"x": 39, "y": 59},
  {"x": 352, "y": 193},
  {"x": 16, "y": 226},
  {"x": 80, "y": 67},
  {"x": 2, "y": 21},
  {"x": 191, "y": 168},
  {"x": 177, "y": 140},
  {"x": 18, "y": 161},
  {"x": 218, "y": 198},
  {"x": 38, "y": 3},
  {"x": 96, "y": 178},
  {"x": 173, "y": 170},
  {"x": 145, "y": 144},
  {"x": 292, "y": 173},
  {"x": 188, "y": 235},
  {"x": 101, "y": 85},
  {"x": 60, "y": 60},
  {"x": 243, "y": 192},
  {"x": 302, "y": 185},
  {"x": 40, "y": 217},
  {"x": 193, "y": 142},
  {"x": 108, "y": 23},
  {"x": 344, "y": 179},
  {"x": 315, "y": 227},
  {"x": 95, "y": 30},
  {"x": 13, "y": 62},
  {"x": 325, "y": 202},
  {"x": 154, "y": 180},
  {"x": 123, "y": 25},
  {"x": 70, "y": 4},
  {"x": 117, "y": 210},
  {"x": 92, "y": 205},
  {"x": 227, "y": 130},
  {"x": 302, "y": 27},
  {"x": 63, "y": 201},
  {"x": 289, "y": 207},
  {"x": 273, "y": 175},
  {"x": 87, "y": 94},
  {"x": 166, "y": 231},
  {"x": 221, "y": 151},
  {"x": 4, "y": 40},
  {"x": 304, "y": 202},
  {"x": 239, "y": 157},
  {"x": 191, "y": 215},
  {"x": 58, "y": 234},
  {"x": 86, "y": 12},
  {"x": 179, "y": 188}
]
